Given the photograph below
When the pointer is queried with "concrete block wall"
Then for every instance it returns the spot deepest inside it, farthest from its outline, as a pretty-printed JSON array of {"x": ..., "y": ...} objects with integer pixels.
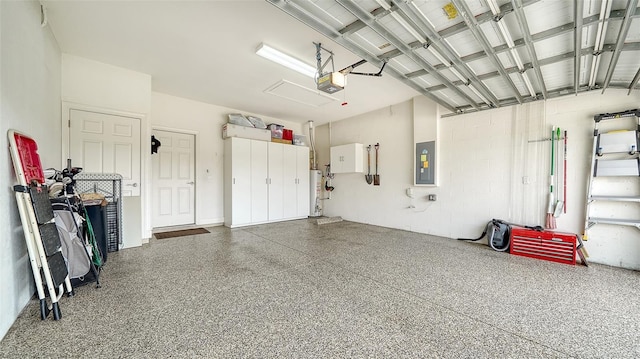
[{"x": 492, "y": 165}]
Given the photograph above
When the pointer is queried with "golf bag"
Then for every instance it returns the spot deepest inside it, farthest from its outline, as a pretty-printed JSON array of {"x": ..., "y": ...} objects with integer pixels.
[{"x": 73, "y": 247}]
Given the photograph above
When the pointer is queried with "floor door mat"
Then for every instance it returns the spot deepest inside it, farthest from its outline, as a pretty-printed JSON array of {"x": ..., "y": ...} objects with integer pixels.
[{"x": 181, "y": 233}]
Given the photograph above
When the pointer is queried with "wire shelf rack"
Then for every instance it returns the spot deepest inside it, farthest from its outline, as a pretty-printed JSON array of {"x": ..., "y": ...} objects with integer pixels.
[{"x": 110, "y": 186}]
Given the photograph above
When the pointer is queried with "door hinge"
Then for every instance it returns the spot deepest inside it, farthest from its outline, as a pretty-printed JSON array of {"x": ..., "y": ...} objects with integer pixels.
[{"x": 69, "y": 123}]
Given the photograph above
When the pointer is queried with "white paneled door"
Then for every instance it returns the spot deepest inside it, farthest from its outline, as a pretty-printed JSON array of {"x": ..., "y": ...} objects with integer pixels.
[
  {"x": 106, "y": 143},
  {"x": 173, "y": 179}
]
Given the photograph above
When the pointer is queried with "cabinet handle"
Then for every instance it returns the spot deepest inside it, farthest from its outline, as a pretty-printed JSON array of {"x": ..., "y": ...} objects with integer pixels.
[{"x": 234, "y": 181}]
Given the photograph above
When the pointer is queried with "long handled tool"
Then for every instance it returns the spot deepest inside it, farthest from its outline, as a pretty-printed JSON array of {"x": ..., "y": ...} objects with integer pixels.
[
  {"x": 550, "y": 221},
  {"x": 559, "y": 202},
  {"x": 368, "y": 176},
  {"x": 564, "y": 174},
  {"x": 376, "y": 177}
]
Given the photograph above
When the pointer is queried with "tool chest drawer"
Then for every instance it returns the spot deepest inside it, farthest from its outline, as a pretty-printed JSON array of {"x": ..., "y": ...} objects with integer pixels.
[{"x": 547, "y": 245}]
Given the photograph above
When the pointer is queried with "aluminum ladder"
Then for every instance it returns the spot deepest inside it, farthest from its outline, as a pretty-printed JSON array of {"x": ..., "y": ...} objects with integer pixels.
[{"x": 615, "y": 154}]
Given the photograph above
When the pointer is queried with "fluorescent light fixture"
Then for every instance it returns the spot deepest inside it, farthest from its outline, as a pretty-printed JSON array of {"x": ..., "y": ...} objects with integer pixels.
[
  {"x": 400, "y": 20},
  {"x": 517, "y": 59},
  {"x": 475, "y": 91},
  {"x": 595, "y": 64},
  {"x": 511, "y": 45},
  {"x": 532, "y": 92},
  {"x": 458, "y": 75},
  {"x": 283, "y": 59},
  {"x": 605, "y": 11},
  {"x": 495, "y": 9},
  {"x": 505, "y": 34},
  {"x": 407, "y": 27},
  {"x": 424, "y": 17},
  {"x": 438, "y": 56}
]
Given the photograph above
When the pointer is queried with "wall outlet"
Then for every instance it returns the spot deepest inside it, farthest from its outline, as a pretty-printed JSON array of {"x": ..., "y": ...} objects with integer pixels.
[
  {"x": 409, "y": 192},
  {"x": 431, "y": 197}
]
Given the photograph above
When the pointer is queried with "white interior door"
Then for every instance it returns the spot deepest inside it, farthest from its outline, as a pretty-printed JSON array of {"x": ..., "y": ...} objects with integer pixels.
[
  {"x": 173, "y": 179},
  {"x": 105, "y": 143}
]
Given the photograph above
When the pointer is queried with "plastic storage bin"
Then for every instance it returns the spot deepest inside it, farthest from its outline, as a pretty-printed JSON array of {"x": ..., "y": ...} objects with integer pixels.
[{"x": 276, "y": 130}]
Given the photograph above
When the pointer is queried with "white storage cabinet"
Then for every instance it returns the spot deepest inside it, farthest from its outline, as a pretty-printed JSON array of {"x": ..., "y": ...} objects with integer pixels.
[
  {"x": 264, "y": 182},
  {"x": 347, "y": 158},
  {"x": 296, "y": 182},
  {"x": 245, "y": 187}
]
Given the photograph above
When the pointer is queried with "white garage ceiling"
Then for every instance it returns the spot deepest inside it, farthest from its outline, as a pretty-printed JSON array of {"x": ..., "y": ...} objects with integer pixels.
[
  {"x": 467, "y": 55},
  {"x": 470, "y": 55}
]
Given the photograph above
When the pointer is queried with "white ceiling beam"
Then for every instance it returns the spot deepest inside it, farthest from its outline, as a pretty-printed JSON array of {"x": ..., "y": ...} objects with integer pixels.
[
  {"x": 438, "y": 47},
  {"x": 601, "y": 33},
  {"x": 549, "y": 33},
  {"x": 543, "y": 35},
  {"x": 302, "y": 15},
  {"x": 366, "y": 17},
  {"x": 622, "y": 35},
  {"x": 481, "y": 19},
  {"x": 473, "y": 25},
  {"x": 632, "y": 46},
  {"x": 577, "y": 43},
  {"x": 506, "y": 35},
  {"x": 634, "y": 82},
  {"x": 528, "y": 40}
]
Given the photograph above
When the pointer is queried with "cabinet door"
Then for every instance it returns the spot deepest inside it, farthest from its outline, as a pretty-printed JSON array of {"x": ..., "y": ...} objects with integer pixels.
[
  {"x": 302, "y": 166},
  {"x": 347, "y": 158},
  {"x": 276, "y": 181},
  {"x": 290, "y": 180},
  {"x": 259, "y": 174},
  {"x": 337, "y": 158},
  {"x": 240, "y": 164}
]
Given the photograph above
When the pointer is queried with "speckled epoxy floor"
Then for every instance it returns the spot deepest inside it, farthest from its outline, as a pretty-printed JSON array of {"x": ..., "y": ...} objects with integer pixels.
[{"x": 340, "y": 290}]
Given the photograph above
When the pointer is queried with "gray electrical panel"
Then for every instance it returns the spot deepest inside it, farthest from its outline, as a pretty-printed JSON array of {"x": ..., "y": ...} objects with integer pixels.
[{"x": 426, "y": 163}]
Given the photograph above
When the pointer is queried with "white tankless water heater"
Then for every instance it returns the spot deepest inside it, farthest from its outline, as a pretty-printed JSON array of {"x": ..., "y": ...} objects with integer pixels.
[{"x": 315, "y": 181}]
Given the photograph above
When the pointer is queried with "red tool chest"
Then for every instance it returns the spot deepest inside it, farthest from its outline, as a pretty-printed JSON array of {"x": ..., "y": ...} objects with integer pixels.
[{"x": 547, "y": 245}]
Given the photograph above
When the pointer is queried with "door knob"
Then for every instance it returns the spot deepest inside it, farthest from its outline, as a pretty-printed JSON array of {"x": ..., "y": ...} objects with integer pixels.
[
  {"x": 132, "y": 184},
  {"x": 190, "y": 182}
]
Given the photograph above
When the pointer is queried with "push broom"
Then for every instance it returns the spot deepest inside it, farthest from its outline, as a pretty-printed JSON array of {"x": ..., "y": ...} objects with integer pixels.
[{"x": 550, "y": 222}]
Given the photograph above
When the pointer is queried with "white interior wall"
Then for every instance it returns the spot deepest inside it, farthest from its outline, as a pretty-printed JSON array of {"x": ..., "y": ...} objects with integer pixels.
[
  {"x": 488, "y": 169},
  {"x": 30, "y": 103},
  {"x": 353, "y": 198},
  {"x": 205, "y": 120},
  {"x": 425, "y": 130},
  {"x": 102, "y": 87}
]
